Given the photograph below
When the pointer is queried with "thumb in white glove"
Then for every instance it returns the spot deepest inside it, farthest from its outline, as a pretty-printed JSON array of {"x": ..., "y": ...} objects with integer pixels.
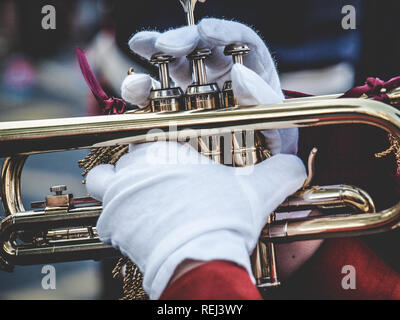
[
  {"x": 161, "y": 213},
  {"x": 250, "y": 89}
]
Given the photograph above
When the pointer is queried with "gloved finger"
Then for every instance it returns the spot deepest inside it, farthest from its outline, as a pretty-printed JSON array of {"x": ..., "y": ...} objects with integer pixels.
[
  {"x": 289, "y": 139},
  {"x": 137, "y": 157},
  {"x": 143, "y": 43},
  {"x": 146, "y": 154},
  {"x": 286, "y": 172},
  {"x": 219, "y": 66},
  {"x": 250, "y": 89},
  {"x": 136, "y": 88},
  {"x": 98, "y": 179},
  {"x": 160, "y": 153},
  {"x": 181, "y": 72},
  {"x": 179, "y": 43},
  {"x": 218, "y": 32},
  {"x": 274, "y": 179},
  {"x": 273, "y": 141}
]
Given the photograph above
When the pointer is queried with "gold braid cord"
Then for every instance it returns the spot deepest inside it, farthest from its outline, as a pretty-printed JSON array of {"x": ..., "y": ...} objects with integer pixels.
[
  {"x": 395, "y": 148},
  {"x": 102, "y": 155},
  {"x": 133, "y": 278}
]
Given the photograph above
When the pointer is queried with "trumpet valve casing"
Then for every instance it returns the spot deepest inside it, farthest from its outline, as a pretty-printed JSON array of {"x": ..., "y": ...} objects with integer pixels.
[
  {"x": 166, "y": 100},
  {"x": 227, "y": 95},
  {"x": 203, "y": 97}
]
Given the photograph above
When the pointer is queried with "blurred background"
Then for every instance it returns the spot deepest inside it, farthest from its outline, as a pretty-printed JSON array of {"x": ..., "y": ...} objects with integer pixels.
[{"x": 40, "y": 78}]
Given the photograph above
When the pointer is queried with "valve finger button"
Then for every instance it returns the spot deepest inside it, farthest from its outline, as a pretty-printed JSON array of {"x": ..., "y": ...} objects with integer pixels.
[
  {"x": 201, "y": 95},
  {"x": 198, "y": 65},
  {"x": 168, "y": 98},
  {"x": 236, "y": 50},
  {"x": 162, "y": 60}
]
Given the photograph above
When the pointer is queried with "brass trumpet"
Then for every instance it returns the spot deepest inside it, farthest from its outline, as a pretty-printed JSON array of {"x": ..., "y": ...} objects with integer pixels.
[
  {"x": 65, "y": 228},
  {"x": 62, "y": 228}
]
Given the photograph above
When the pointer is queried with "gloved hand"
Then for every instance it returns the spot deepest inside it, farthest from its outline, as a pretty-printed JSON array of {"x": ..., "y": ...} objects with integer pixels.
[
  {"x": 256, "y": 82},
  {"x": 164, "y": 203}
]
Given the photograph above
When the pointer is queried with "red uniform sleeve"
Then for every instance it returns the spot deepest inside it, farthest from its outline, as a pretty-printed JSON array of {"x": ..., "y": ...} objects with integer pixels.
[
  {"x": 322, "y": 277},
  {"x": 215, "y": 280}
]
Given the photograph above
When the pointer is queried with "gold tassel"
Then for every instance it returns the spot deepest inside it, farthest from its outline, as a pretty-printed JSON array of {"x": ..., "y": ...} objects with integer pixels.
[
  {"x": 132, "y": 280},
  {"x": 395, "y": 148}
]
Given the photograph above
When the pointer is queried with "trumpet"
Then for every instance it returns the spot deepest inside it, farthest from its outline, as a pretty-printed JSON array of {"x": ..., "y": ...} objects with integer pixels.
[{"x": 63, "y": 228}]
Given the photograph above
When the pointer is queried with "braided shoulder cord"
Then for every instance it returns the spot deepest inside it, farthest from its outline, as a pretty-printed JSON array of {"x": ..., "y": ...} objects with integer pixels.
[{"x": 395, "y": 148}]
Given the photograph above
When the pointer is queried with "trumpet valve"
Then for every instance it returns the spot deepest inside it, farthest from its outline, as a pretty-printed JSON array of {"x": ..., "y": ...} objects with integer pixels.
[
  {"x": 168, "y": 98},
  {"x": 236, "y": 50},
  {"x": 201, "y": 95}
]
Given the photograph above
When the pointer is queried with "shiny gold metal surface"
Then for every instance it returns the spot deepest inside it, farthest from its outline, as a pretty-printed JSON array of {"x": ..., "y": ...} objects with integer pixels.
[
  {"x": 62, "y": 228},
  {"x": 36, "y": 136},
  {"x": 263, "y": 262},
  {"x": 19, "y": 139},
  {"x": 329, "y": 197}
]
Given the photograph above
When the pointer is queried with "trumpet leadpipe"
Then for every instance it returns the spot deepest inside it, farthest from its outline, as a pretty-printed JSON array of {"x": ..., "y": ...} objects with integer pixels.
[
  {"x": 18, "y": 139},
  {"x": 36, "y": 136}
]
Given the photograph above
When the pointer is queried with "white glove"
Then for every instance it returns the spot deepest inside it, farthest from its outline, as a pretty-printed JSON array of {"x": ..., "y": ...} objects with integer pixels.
[
  {"x": 161, "y": 209},
  {"x": 257, "y": 83},
  {"x": 164, "y": 203}
]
